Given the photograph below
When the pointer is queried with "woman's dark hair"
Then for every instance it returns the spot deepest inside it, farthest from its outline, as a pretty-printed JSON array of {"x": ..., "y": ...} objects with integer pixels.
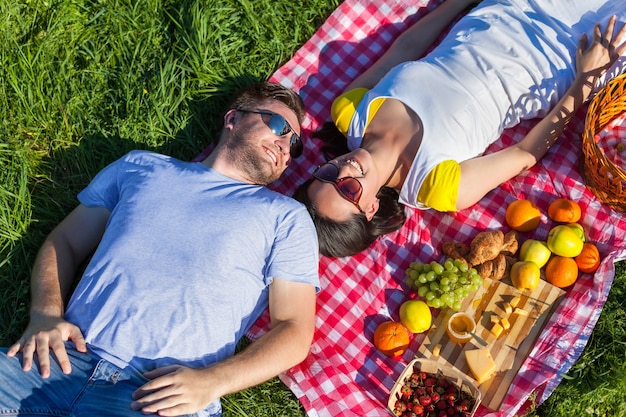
[
  {"x": 335, "y": 142},
  {"x": 347, "y": 238}
]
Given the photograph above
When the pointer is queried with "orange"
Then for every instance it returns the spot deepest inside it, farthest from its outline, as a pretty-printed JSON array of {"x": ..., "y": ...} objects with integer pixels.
[
  {"x": 563, "y": 210},
  {"x": 391, "y": 338},
  {"x": 523, "y": 215},
  {"x": 589, "y": 258},
  {"x": 561, "y": 271}
]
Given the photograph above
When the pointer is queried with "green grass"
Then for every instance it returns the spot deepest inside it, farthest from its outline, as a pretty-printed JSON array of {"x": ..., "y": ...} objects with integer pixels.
[{"x": 84, "y": 81}]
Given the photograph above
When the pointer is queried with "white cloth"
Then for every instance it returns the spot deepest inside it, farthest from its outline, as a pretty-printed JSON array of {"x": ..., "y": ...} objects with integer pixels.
[{"x": 503, "y": 62}]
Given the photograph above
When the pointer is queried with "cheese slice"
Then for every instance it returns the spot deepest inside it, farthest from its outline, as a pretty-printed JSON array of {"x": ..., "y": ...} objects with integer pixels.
[
  {"x": 480, "y": 363},
  {"x": 497, "y": 329}
]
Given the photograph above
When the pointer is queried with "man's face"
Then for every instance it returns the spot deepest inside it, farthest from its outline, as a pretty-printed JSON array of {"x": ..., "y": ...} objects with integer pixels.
[{"x": 259, "y": 154}]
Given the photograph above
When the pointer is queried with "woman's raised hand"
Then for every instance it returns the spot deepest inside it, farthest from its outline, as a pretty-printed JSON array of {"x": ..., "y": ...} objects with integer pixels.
[{"x": 605, "y": 48}]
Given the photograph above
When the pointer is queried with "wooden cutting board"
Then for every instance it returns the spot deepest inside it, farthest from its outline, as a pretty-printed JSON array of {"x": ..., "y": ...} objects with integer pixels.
[{"x": 511, "y": 348}]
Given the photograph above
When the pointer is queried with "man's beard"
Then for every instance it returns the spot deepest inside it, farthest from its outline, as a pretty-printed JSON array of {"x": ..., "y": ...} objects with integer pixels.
[{"x": 246, "y": 158}]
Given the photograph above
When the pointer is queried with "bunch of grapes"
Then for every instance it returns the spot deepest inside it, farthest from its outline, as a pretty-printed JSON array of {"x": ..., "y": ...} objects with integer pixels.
[{"x": 443, "y": 285}]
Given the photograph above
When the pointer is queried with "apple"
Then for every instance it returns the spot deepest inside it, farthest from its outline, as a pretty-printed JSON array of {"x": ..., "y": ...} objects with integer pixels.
[
  {"x": 578, "y": 228},
  {"x": 536, "y": 251},
  {"x": 525, "y": 275},
  {"x": 565, "y": 241},
  {"x": 415, "y": 315}
]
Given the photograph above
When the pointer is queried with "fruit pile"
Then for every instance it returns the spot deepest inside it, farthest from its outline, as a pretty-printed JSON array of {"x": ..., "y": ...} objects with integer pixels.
[
  {"x": 443, "y": 285},
  {"x": 424, "y": 395},
  {"x": 564, "y": 254}
]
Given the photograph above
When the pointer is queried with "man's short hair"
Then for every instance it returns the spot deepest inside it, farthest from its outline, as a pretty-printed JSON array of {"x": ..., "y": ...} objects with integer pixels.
[{"x": 251, "y": 95}]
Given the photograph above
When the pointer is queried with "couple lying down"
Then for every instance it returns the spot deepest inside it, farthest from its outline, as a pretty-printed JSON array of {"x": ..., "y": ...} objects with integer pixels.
[{"x": 503, "y": 62}]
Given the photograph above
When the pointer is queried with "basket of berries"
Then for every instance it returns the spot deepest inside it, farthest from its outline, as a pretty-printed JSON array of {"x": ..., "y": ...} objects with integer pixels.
[{"x": 428, "y": 389}]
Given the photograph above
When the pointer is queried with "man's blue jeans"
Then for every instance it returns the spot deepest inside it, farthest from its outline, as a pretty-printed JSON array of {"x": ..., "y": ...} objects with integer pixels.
[{"x": 94, "y": 388}]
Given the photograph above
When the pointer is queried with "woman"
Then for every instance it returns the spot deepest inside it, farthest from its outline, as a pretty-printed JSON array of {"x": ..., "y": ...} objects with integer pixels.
[{"x": 416, "y": 129}]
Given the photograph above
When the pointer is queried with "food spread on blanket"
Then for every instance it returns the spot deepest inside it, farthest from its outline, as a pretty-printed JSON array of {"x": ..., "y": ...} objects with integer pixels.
[{"x": 491, "y": 298}]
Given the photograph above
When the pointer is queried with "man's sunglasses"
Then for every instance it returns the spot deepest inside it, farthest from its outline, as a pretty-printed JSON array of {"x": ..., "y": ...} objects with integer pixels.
[
  {"x": 280, "y": 127},
  {"x": 349, "y": 188}
]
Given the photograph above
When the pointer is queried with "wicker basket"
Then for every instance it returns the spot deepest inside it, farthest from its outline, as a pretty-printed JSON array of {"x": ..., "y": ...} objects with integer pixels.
[
  {"x": 605, "y": 179},
  {"x": 455, "y": 377}
]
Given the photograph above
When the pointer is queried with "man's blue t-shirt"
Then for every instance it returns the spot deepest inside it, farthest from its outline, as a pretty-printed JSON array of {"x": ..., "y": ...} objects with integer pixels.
[{"x": 184, "y": 265}]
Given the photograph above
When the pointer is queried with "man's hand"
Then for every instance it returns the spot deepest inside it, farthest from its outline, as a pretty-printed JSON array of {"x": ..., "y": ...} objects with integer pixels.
[
  {"x": 45, "y": 333},
  {"x": 174, "y": 390}
]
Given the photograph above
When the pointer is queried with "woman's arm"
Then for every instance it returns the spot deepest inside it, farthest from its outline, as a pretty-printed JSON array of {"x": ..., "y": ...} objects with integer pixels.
[
  {"x": 413, "y": 43},
  {"x": 482, "y": 174}
]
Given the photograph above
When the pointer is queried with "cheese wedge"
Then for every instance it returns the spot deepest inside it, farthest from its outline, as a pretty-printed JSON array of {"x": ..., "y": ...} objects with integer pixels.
[
  {"x": 515, "y": 301},
  {"x": 520, "y": 312},
  {"x": 481, "y": 364},
  {"x": 508, "y": 309},
  {"x": 437, "y": 350},
  {"x": 505, "y": 323},
  {"x": 497, "y": 329}
]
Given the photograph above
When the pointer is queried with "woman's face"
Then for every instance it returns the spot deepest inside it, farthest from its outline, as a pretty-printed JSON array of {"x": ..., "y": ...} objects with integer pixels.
[{"x": 327, "y": 195}]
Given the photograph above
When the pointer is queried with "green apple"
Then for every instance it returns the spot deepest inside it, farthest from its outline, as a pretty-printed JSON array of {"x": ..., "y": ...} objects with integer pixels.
[
  {"x": 565, "y": 241},
  {"x": 525, "y": 275},
  {"x": 578, "y": 228},
  {"x": 536, "y": 251},
  {"x": 415, "y": 315}
]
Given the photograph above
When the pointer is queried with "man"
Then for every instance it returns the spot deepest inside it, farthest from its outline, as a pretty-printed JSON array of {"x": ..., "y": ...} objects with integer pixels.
[{"x": 187, "y": 256}]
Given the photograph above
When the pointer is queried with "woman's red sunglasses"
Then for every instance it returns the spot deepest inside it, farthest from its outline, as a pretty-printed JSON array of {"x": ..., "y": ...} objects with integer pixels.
[{"x": 349, "y": 187}]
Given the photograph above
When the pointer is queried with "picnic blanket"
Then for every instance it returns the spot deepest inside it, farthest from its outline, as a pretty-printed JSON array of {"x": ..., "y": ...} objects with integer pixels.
[{"x": 345, "y": 375}]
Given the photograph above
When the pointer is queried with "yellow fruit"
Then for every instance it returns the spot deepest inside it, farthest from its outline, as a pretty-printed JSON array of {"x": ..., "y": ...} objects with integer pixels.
[
  {"x": 523, "y": 215},
  {"x": 415, "y": 315},
  {"x": 564, "y": 211},
  {"x": 564, "y": 241},
  {"x": 525, "y": 275},
  {"x": 536, "y": 251},
  {"x": 561, "y": 271}
]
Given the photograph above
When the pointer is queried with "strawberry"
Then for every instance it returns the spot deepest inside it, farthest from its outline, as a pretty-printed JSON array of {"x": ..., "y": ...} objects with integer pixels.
[{"x": 406, "y": 391}]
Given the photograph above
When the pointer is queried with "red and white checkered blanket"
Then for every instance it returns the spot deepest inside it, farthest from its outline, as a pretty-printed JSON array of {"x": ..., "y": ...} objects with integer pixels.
[{"x": 344, "y": 375}]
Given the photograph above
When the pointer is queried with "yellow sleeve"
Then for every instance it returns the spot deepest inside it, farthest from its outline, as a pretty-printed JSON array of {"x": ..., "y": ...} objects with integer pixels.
[
  {"x": 441, "y": 187},
  {"x": 344, "y": 106}
]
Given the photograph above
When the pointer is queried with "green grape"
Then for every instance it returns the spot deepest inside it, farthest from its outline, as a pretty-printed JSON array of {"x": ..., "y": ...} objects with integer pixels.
[
  {"x": 444, "y": 284},
  {"x": 447, "y": 299},
  {"x": 416, "y": 266},
  {"x": 437, "y": 303},
  {"x": 422, "y": 290},
  {"x": 438, "y": 269}
]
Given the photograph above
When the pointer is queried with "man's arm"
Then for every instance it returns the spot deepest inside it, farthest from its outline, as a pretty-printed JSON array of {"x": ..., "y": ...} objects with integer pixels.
[
  {"x": 413, "y": 43},
  {"x": 481, "y": 175},
  {"x": 54, "y": 271},
  {"x": 176, "y": 390}
]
